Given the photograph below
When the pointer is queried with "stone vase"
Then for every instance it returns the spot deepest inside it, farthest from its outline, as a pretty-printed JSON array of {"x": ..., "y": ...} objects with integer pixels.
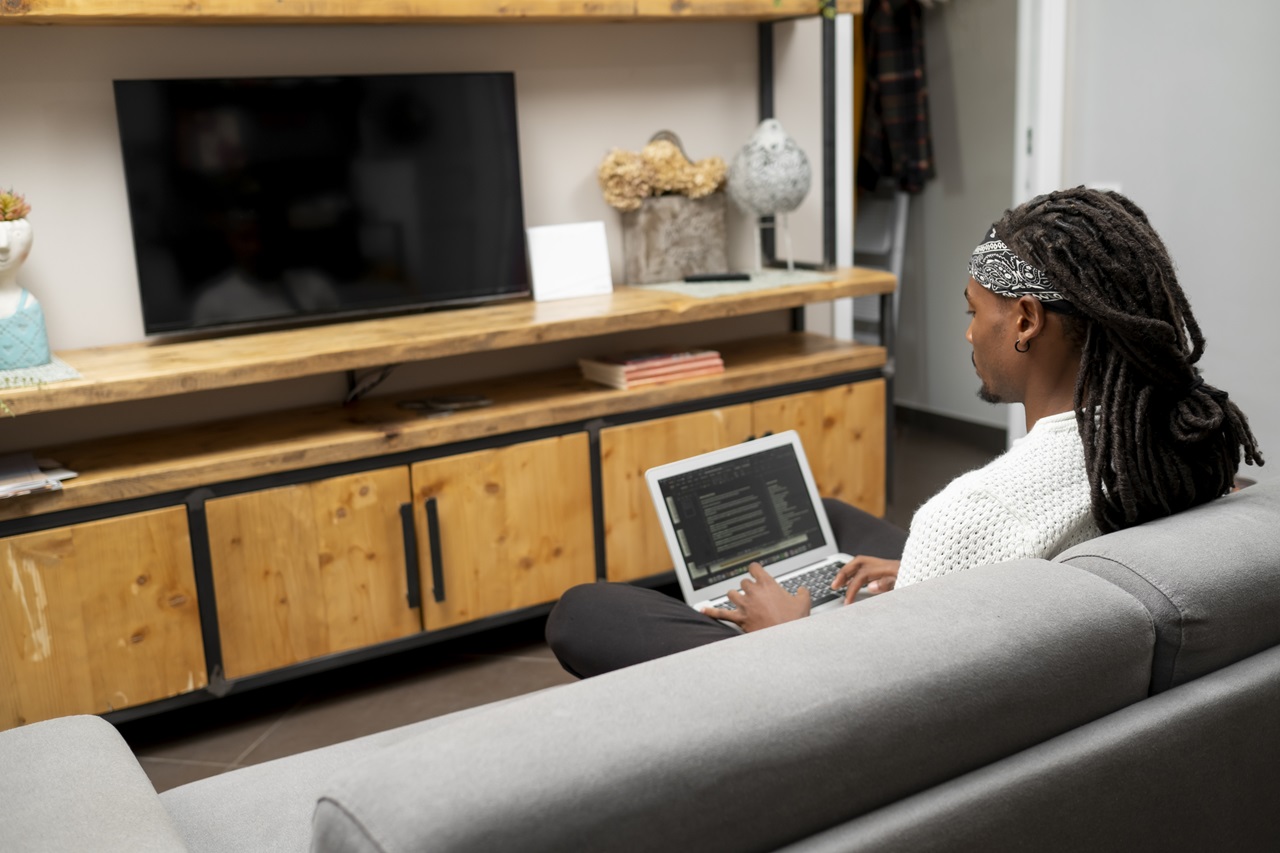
[{"x": 672, "y": 236}]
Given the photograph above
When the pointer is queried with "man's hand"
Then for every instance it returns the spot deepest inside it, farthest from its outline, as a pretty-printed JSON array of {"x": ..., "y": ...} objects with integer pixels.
[
  {"x": 875, "y": 573},
  {"x": 762, "y": 602}
]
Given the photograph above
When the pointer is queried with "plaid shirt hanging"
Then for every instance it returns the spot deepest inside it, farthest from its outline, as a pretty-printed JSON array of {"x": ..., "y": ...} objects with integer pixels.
[{"x": 895, "y": 126}]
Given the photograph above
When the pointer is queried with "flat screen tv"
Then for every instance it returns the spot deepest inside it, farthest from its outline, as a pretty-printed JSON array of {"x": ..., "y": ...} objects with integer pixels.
[{"x": 275, "y": 201}]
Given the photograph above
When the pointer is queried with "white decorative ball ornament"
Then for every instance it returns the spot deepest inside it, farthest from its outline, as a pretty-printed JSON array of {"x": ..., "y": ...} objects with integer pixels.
[{"x": 770, "y": 175}]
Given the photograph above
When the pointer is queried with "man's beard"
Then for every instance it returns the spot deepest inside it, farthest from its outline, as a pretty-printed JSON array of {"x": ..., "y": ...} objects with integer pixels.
[{"x": 985, "y": 394}]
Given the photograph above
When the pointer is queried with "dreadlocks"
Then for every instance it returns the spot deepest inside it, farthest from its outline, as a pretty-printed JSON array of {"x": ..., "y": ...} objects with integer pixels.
[{"x": 1157, "y": 439}]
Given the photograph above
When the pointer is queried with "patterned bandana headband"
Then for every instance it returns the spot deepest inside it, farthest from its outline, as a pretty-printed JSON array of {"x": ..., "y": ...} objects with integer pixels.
[{"x": 994, "y": 266}]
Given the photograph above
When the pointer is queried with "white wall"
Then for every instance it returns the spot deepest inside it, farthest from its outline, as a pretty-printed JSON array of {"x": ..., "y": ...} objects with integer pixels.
[
  {"x": 582, "y": 89},
  {"x": 970, "y": 55},
  {"x": 1175, "y": 104}
]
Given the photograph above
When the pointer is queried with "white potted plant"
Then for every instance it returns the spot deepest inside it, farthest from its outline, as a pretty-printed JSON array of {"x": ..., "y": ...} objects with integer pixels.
[{"x": 23, "y": 340}]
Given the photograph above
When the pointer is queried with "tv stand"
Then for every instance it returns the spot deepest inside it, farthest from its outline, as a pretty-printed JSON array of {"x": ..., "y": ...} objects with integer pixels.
[{"x": 187, "y": 563}]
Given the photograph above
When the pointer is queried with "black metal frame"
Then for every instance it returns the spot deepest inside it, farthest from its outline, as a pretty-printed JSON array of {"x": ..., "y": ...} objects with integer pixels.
[
  {"x": 764, "y": 41},
  {"x": 766, "y": 111}
]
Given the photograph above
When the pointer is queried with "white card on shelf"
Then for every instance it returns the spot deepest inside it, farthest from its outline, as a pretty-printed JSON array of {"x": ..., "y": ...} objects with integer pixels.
[{"x": 569, "y": 260}]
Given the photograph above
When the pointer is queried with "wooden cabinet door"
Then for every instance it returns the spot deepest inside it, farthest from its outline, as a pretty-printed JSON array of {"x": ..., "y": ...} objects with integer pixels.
[
  {"x": 843, "y": 433},
  {"x": 310, "y": 570},
  {"x": 633, "y": 541},
  {"x": 510, "y": 527},
  {"x": 98, "y": 616}
]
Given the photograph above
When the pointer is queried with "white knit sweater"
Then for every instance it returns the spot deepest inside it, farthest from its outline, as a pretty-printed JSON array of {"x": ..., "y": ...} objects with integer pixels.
[{"x": 1032, "y": 501}]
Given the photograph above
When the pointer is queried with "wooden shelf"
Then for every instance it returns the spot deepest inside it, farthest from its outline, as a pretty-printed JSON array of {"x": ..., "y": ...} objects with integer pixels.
[
  {"x": 400, "y": 11},
  {"x": 153, "y": 463},
  {"x": 147, "y": 370}
]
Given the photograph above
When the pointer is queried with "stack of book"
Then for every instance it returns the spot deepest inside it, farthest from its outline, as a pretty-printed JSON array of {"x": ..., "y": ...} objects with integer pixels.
[{"x": 636, "y": 369}]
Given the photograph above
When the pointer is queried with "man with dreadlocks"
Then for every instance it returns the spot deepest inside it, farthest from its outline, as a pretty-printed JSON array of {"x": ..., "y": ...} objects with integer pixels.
[{"x": 1076, "y": 313}]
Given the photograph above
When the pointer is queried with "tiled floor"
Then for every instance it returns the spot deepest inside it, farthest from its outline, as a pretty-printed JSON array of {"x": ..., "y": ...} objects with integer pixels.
[{"x": 193, "y": 743}]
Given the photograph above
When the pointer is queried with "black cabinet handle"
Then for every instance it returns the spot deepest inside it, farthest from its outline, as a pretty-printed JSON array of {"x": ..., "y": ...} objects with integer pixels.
[
  {"x": 433, "y": 541},
  {"x": 412, "y": 580}
]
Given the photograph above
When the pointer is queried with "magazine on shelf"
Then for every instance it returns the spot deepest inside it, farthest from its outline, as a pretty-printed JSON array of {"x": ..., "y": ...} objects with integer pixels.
[{"x": 22, "y": 474}]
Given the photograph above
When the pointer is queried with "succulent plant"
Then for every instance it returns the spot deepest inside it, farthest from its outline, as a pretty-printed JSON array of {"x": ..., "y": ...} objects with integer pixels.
[{"x": 12, "y": 206}]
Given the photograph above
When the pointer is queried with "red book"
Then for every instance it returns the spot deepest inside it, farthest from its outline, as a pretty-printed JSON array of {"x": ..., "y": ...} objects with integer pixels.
[
  {"x": 626, "y": 370},
  {"x": 704, "y": 370}
]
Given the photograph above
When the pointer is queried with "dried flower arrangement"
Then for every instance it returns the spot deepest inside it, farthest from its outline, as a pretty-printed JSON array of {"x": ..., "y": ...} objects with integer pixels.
[
  {"x": 660, "y": 168},
  {"x": 12, "y": 206}
]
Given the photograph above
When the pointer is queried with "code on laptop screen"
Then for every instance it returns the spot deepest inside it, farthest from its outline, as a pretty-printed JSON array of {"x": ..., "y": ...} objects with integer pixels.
[{"x": 751, "y": 509}]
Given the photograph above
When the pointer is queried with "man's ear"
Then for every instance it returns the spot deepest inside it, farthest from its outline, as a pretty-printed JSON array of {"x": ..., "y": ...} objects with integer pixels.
[{"x": 1029, "y": 317}]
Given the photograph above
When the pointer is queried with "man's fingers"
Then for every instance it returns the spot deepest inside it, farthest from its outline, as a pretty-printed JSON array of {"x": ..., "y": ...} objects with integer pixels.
[
  {"x": 734, "y": 616},
  {"x": 882, "y": 585},
  {"x": 857, "y": 582},
  {"x": 846, "y": 572},
  {"x": 759, "y": 575}
]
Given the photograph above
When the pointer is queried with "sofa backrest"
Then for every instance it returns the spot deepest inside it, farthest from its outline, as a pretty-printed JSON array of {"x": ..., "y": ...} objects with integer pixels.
[
  {"x": 1196, "y": 768},
  {"x": 1210, "y": 577},
  {"x": 763, "y": 739}
]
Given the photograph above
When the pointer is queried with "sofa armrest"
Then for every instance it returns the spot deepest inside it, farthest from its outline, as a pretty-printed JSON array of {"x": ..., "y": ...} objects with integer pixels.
[{"x": 73, "y": 784}]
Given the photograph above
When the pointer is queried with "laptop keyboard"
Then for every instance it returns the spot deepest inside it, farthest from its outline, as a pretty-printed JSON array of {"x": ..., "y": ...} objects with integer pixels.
[{"x": 818, "y": 580}]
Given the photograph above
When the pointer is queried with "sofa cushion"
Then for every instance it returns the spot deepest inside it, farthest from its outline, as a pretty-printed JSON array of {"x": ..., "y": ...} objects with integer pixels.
[
  {"x": 1210, "y": 578},
  {"x": 765, "y": 738},
  {"x": 1196, "y": 768},
  {"x": 72, "y": 783}
]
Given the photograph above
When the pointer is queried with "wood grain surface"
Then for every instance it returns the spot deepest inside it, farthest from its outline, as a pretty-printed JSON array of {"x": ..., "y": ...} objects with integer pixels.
[
  {"x": 514, "y": 527},
  {"x": 397, "y": 11},
  {"x": 98, "y": 616},
  {"x": 309, "y": 570}
]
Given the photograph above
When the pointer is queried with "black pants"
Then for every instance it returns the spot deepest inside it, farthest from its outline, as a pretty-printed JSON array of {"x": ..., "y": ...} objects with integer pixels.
[{"x": 600, "y": 627}]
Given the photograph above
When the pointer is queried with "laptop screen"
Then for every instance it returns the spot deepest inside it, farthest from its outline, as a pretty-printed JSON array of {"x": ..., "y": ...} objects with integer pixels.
[{"x": 753, "y": 508}]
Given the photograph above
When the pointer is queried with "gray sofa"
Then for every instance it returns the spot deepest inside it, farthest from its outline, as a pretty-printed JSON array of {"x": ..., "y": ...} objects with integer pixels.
[{"x": 1125, "y": 696}]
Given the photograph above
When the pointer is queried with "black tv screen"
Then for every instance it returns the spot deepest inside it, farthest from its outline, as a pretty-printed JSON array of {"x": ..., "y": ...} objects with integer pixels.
[{"x": 283, "y": 200}]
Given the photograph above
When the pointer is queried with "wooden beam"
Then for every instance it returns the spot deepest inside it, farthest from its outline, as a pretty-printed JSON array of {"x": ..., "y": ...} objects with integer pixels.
[
  {"x": 731, "y": 9},
  {"x": 307, "y": 11},
  {"x": 196, "y": 12}
]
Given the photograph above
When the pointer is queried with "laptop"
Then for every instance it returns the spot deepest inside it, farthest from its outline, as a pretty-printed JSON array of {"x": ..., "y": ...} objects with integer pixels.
[{"x": 753, "y": 502}]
